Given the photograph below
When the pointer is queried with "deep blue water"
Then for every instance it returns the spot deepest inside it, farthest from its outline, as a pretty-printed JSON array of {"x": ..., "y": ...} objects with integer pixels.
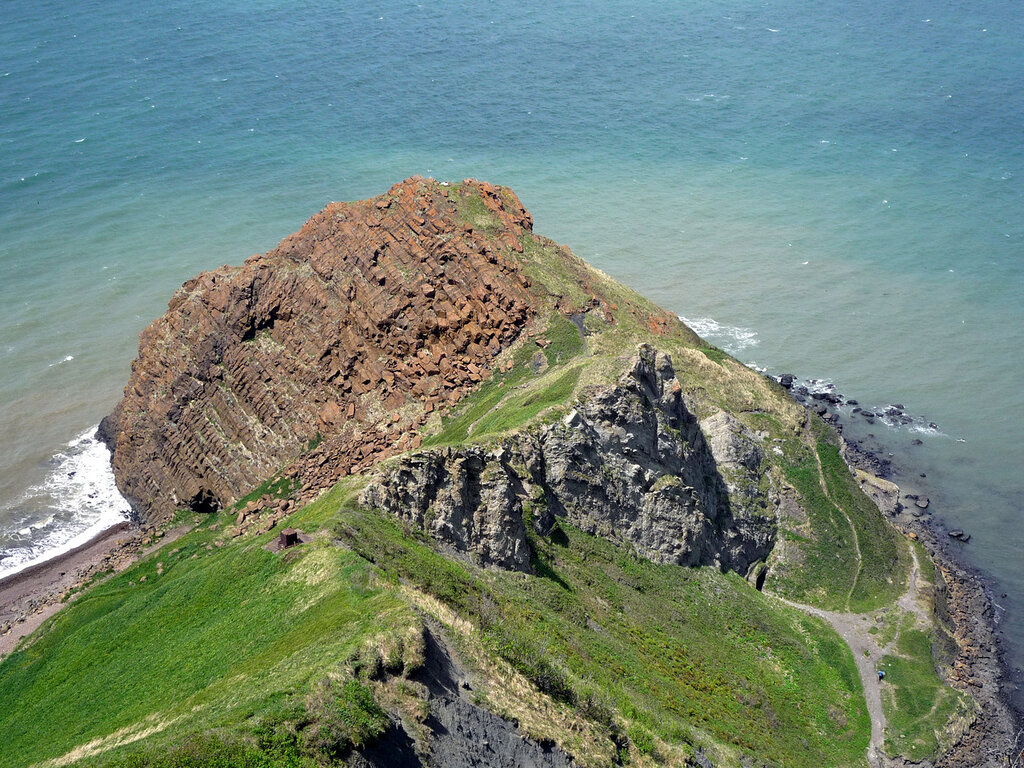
[{"x": 839, "y": 187}]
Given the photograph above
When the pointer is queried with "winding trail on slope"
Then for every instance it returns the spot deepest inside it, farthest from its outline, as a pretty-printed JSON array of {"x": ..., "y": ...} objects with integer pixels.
[
  {"x": 853, "y": 628},
  {"x": 856, "y": 539}
]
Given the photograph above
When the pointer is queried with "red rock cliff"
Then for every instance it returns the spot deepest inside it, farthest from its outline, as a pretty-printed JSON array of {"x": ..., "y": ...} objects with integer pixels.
[{"x": 343, "y": 337}]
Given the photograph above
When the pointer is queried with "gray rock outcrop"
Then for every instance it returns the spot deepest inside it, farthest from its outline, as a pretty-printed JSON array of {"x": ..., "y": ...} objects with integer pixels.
[
  {"x": 457, "y": 733},
  {"x": 630, "y": 463},
  {"x": 466, "y": 499}
]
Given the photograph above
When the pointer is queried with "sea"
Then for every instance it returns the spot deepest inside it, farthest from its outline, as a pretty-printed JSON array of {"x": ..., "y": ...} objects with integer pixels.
[{"x": 832, "y": 190}]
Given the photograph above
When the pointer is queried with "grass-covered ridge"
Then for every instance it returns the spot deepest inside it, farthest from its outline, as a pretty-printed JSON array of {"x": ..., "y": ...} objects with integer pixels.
[{"x": 195, "y": 637}]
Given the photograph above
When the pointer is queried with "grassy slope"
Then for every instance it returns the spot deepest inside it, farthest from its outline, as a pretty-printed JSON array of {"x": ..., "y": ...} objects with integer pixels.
[
  {"x": 672, "y": 658},
  {"x": 827, "y": 573},
  {"x": 221, "y": 633},
  {"x": 687, "y": 657},
  {"x": 922, "y": 712},
  {"x": 918, "y": 706}
]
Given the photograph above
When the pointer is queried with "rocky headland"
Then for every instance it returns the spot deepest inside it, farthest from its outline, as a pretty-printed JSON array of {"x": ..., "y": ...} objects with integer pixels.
[
  {"x": 344, "y": 338},
  {"x": 600, "y": 539}
]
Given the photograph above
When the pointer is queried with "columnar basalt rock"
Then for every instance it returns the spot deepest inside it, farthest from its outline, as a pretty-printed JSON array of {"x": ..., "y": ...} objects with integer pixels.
[
  {"x": 631, "y": 464},
  {"x": 335, "y": 343}
]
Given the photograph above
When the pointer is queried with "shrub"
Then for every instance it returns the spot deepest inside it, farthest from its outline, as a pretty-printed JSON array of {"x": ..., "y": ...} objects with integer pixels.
[{"x": 341, "y": 717}]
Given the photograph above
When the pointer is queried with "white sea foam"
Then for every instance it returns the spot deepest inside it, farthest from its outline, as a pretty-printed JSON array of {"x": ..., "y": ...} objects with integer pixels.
[
  {"x": 890, "y": 415},
  {"x": 732, "y": 338},
  {"x": 920, "y": 428},
  {"x": 77, "y": 500},
  {"x": 65, "y": 359}
]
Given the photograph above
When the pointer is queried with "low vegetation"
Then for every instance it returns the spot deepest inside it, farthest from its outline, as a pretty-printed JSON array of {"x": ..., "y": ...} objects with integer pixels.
[
  {"x": 850, "y": 558},
  {"x": 198, "y": 636},
  {"x": 537, "y": 380},
  {"x": 923, "y": 714},
  {"x": 918, "y": 706},
  {"x": 687, "y": 656}
]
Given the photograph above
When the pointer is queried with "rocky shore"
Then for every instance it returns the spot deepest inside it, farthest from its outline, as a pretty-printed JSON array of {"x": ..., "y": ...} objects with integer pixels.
[{"x": 965, "y": 602}]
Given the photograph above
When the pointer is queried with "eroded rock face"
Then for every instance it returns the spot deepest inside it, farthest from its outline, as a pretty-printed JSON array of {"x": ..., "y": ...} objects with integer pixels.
[
  {"x": 465, "y": 498},
  {"x": 342, "y": 336},
  {"x": 630, "y": 464},
  {"x": 457, "y": 733}
]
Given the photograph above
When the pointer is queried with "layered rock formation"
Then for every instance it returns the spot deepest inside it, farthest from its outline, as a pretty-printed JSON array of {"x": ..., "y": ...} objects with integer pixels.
[
  {"x": 341, "y": 338},
  {"x": 630, "y": 464}
]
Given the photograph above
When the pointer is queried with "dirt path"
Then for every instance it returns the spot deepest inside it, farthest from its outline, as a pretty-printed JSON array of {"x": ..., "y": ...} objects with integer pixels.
[{"x": 853, "y": 628}]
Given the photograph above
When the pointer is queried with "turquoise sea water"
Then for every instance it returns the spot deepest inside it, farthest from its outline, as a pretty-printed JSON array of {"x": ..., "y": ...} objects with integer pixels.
[{"x": 833, "y": 191}]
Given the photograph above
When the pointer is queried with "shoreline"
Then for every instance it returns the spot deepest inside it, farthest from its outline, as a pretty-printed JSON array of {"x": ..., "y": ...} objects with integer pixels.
[
  {"x": 32, "y": 569},
  {"x": 30, "y": 596}
]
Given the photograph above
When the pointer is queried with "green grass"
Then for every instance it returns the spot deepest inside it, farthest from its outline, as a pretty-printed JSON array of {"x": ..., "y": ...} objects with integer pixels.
[
  {"x": 552, "y": 271},
  {"x": 220, "y": 634},
  {"x": 456, "y": 427},
  {"x": 919, "y": 708},
  {"x": 225, "y": 643},
  {"x": 888, "y": 627},
  {"x": 510, "y": 399},
  {"x": 927, "y": 567},
  {"x": 275, "y": 487},
  {"x": 825, "y": 576},
  {"x": 516, "y": 411},
  {"x": 208, "y": 751},
  {"x": 473, "y": 210},
  {"x": 564, "y": 337},
  {"x": 885, "y": 559},
  {"x": 828, "y": 575},
  {"x": 714, "y": 353}
]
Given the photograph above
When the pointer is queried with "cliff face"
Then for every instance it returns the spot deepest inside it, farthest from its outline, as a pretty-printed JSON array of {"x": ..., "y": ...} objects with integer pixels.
[
  {"x": 630, "y": 464},
  {"x": 343, "y": 337}
]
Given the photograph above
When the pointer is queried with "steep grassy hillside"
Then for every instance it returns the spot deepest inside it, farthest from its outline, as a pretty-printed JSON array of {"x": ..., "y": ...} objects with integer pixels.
[{"x": 197, "y": 636}]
